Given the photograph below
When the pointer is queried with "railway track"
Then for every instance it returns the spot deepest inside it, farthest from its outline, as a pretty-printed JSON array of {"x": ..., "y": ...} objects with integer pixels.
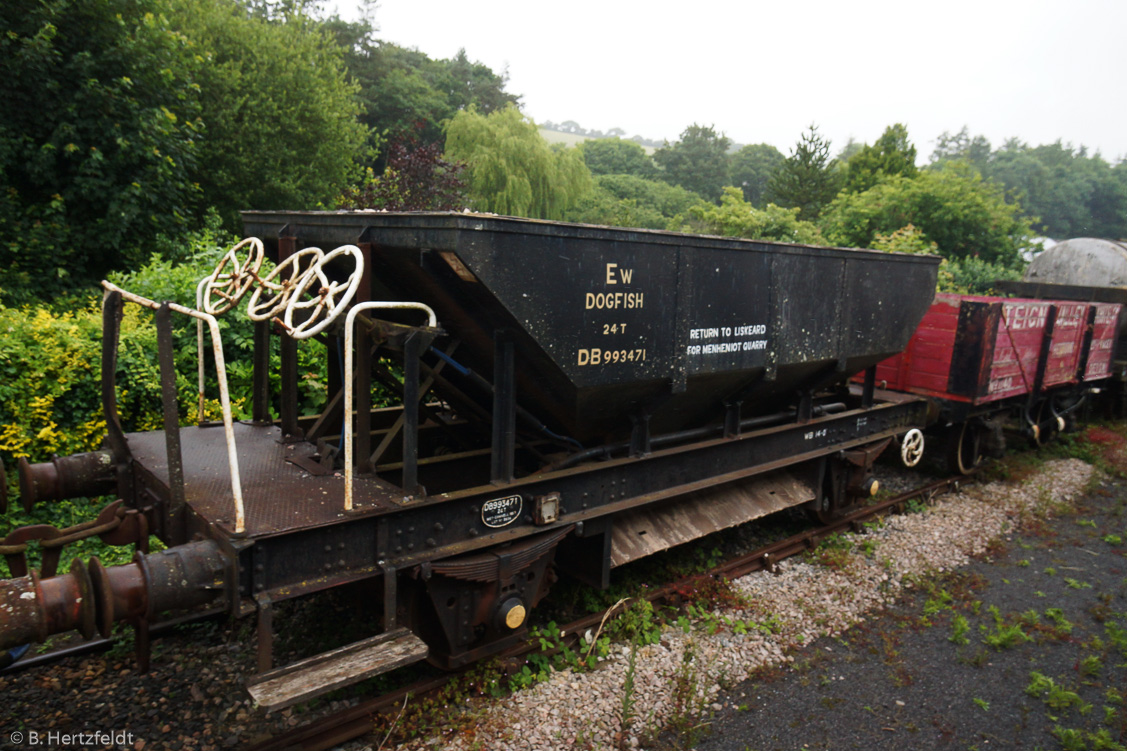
[{"x": 357, "y": 721}]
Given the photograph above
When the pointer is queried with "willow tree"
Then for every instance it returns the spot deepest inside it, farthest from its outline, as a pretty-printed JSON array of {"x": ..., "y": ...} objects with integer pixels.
[{"x": 510, "y": 167}]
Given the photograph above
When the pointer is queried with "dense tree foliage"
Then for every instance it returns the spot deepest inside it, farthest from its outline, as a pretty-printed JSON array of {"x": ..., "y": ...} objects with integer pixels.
[
  {"x": 125, "y": 121},
  {"x": 98, "y": 134},
  {"x": 614, "y": 156},
  {"x": 406, "y": 94},
  {"x": 632, "y": 201},
  {"x": 1064, "y": 191},
  {"x": 735, "y": 217},
  {"x": 668, "y": 200},
  {"x": 511, "y": 169},
  {"x": 416, "y": 178},
  {"x": 953, "y": 207},
  {"x": 281, "y": 115},
  {"x": 892, "y": 154},
  {"x": 698, "y": 162},
  {"x": 807, "y": 179},
  {"x": 751, "y": 168}
]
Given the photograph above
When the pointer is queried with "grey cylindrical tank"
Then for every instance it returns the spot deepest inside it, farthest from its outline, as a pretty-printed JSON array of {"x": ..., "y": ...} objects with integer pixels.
[{"x": 1082, "y": 261}]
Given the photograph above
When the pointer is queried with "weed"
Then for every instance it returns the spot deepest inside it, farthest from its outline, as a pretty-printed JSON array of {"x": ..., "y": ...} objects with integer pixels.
[
  {"x": 941, "y": 601},
  {"x": 959, "y": 629},
  {"x": 1007, "y": 636},
  {"x": 982, "y": 704},
  {"x": 1061, "y": 625},
  {"x": 1086, "y": 523},
  {"x": 627, "y": 710},
  {"x": 835, "y": 551},
  {"x": 1091, "y": 666},
  {"x": 1077, "y": 584},
  {"x": 1112, "y": 539},
  {"x": 637, "y": 623},
  {"x": 915, "y": 506},
  {"x": 1117, "y": 636},
  {"x": 1070, "y": 740},
  {"x": 1050, "y": 571},
  {"x": 687, "y": 720},
  {"x": 1024, "y": 562},
  {"x": 1101, "y": 740}
]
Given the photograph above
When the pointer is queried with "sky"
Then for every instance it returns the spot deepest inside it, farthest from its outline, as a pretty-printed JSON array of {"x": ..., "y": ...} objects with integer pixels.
[{"x": 762, "y": 72}]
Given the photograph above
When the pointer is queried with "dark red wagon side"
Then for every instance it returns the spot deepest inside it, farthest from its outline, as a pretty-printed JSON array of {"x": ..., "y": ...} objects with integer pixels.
[{"x": 982, "y": 359}]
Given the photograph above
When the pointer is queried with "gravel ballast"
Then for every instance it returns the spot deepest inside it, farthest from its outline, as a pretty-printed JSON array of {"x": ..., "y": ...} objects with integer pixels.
[{"x": 805, "y": 601}]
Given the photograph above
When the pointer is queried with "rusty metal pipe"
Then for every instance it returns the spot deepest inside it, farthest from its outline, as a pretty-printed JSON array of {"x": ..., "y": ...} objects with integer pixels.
[
  {"x": 184, "y": 576},
  {"x": 96, "y": 596},
  {"x": 119, "y": 592},
  {"x": 31, "y": 609},
  {"x": 65, "y": 477}
]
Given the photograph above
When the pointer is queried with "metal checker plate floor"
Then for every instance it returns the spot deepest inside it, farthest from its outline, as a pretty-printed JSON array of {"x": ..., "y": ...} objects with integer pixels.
[{"x": 278, "y": 496}]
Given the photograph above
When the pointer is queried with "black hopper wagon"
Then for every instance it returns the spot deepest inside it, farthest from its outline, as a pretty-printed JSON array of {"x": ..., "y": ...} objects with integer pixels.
[{"x": 571, "y": 398}]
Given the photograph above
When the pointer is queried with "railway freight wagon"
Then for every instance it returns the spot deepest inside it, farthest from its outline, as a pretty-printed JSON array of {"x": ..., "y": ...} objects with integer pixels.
[
  {"x": 567, "y": 399},
  {"x": 984, "y": 360}
]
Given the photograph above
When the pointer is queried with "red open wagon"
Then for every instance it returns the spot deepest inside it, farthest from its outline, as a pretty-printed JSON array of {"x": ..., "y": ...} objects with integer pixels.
[{"x": 982, "y": 358}]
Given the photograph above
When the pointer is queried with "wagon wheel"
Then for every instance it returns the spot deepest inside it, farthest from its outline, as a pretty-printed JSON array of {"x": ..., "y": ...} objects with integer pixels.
[
  {"x": 232, "y": 277},
  {"x": 280, "y": 284},
  {"x": 1047, "y": 426},
  {"x": 964, "y": 448},
  {"x": 912, "y": 447},
  {"x": 328, "y": 300}
]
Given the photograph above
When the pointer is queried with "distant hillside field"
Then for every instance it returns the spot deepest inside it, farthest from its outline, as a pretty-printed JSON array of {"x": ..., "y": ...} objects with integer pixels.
[{"x": 572, "y": 139}]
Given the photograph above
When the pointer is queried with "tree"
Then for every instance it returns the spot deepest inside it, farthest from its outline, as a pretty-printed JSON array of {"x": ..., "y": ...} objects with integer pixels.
[
  {"x": 964, "y": 215},
  {"x": 735, "y": 217},
  {"x": 406, "y": 94},
  {"x": 614, "y": 156},
  {"x": 98, "y": 137},
  {"x": 697, "y": 162},
  {"x": 1065, "y": 191},
  {"x": 281, "y": 114},
  {"x": 511, "y": 168},
  {"x": 632, "y": 201},
  {"x": 600, "y": 206},
  {"x": 416, "y": 178},
  {"x": 962, "y": 147},
  {"x": 751, "y": 169},
  {"x": 806, "y": 180},
  {"x": 892, "y": 154},
  {"x": 667, "y": 200}
]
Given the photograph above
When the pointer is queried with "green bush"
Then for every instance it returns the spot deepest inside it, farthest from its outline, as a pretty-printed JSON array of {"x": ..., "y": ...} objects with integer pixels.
[{"x": 50, "y": 399}]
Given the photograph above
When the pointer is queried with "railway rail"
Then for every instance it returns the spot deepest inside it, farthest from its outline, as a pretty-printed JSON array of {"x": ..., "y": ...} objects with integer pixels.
[{"x": 357, "y": 721}]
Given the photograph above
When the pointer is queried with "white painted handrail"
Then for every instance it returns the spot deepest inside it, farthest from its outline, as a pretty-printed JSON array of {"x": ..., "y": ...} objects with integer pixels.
[
  {"x": 224, "y": 394},
  {"x": 349, "y": 326}
]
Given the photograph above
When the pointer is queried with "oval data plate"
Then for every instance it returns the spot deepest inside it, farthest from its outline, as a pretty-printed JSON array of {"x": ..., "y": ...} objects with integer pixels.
[{"x": 501, "y": 512}]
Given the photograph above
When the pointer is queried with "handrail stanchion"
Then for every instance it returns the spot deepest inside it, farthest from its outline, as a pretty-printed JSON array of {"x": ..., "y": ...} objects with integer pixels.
[
  {"x": 224, "y": 394},
  {"x": 349, "y": 356}
]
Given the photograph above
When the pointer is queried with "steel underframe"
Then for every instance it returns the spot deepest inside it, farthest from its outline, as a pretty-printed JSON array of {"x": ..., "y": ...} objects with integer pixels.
[{"x": 450, "y": 524}]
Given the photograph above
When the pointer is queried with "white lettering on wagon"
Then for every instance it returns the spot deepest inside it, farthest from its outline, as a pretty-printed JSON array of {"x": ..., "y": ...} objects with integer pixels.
[
  {"x": 501, "y": 512},
  {"x": 1024, "y": 316},
  {"x": 742, "y": 338}
]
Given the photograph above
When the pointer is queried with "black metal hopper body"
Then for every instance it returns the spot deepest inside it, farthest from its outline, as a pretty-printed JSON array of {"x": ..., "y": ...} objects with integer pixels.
[{"x": 611, "y": 324}]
